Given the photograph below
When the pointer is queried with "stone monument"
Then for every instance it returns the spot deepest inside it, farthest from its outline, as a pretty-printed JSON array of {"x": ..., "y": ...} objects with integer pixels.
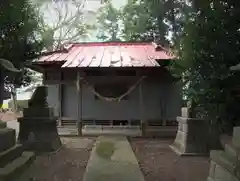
[
  {"x": 13, "y": 160},
  {"x": 225, "y": 165},
  {"x": 194, "y": 136},
  {"x": 38, "y": 126}
]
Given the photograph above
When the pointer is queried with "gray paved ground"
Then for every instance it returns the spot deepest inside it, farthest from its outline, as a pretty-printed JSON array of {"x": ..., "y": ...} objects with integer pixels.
[{"x": 112, "y": 159}]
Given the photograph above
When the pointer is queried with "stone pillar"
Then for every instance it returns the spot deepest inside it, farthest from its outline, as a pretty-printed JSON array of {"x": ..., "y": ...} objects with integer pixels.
[
  {"x": 225, "y": 165},
  {"x": 193, "y": 136}
]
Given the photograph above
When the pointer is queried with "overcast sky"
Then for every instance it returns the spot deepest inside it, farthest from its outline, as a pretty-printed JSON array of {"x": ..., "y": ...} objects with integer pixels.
[{"x": 51, "y": 18}]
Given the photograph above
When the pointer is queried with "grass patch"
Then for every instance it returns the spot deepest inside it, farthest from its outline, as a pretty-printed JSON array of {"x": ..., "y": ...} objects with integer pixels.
[{"x": 105, "y": 149}]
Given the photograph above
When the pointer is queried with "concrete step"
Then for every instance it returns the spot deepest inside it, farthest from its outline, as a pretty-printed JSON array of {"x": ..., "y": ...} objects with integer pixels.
[
  {"x": 7, "y": 138},
  {"x": 232, "y": 150},
  {"x": 210, "y": 179},
  {"x": 223, "y": 159},
  {"x": 236, "y": 132},
  {"x": 236, "y": 136},
  {"x": 16, "y": 167},
  {"x": 10, "y": 154},
  {"x": 3, "y": 124}
]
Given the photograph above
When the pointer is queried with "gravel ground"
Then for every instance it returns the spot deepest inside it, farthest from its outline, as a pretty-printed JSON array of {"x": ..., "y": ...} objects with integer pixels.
[
  {"x": 68, "y": 164},
  {"x": 159, "y": 163}
]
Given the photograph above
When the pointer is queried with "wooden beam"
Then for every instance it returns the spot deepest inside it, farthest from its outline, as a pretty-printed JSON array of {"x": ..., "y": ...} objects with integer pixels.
[
  {"x": 53, "y": 82},
  {"x": 69, "y": 118}
]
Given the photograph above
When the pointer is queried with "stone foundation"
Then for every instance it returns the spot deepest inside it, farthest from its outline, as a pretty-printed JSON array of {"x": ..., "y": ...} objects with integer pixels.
[
  {"x": 39, "y": 134},
  {"x": 193, "y": 137},
  {"x": 225, "y": 165},
  {"x": 7, "y": 138}
]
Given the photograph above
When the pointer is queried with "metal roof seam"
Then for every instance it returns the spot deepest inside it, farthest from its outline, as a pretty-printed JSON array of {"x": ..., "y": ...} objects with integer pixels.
[
  {"x": 67, "y": 62},
  {"x": 75, "y": 58},
  {"x": 100, "y": 62}
]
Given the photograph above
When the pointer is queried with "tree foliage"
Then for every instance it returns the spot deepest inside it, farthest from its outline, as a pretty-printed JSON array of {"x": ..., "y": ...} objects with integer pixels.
[
  {"x": 211, "y": 45},
  {"x": 153, "y": 20},
  {"x": 18, "y": 44},
  {"x": 109, "y": 23}
]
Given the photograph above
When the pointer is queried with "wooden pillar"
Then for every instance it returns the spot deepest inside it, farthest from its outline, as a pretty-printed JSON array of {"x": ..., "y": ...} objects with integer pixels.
[
  {"x": 141, "y": 110},
  {"x": 79, "y": 104},
  {"x": 163, "y": 111},
  {"x": 60, "y": 98}
]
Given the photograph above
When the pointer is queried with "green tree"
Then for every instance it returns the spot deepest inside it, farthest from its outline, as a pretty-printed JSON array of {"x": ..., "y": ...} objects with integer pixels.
[
  {"x": 154, "y": 20},
  {"x": 108, "y": 23},
  {"x": 18, "y": 44},
  {"x": 211, "y": 45}
]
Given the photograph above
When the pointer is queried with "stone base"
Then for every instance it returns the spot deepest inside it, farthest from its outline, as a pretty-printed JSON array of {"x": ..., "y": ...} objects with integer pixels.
[
  {"x": 10, "y": 154},
  {"x": 13, "y": 169},
  {"x": 7, "y": 138},
  {"x": 12, "y": 158},
  {"x": 96, "y": 130},
  {"x": 39, "y": 134},
  {"x": 222, "y": 167},
  {"x": 193, "y": 138},
  {"x": 34, "y": 112},
  {"x": 182, "y": 153},
  {"x": 225, "y": 165}
]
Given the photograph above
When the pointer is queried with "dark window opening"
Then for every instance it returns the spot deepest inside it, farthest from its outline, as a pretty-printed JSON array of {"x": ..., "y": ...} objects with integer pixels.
[{"x": 120, "y": 122}]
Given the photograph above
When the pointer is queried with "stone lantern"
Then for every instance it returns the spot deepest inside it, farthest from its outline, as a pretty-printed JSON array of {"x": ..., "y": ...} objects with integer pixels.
[
  {"x": 38, "y": 126},
  {"x": 12, "y": 156}
]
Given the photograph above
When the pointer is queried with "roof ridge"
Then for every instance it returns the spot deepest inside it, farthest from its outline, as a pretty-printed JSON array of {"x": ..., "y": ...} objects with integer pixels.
[{"x": 111, "y": 42}]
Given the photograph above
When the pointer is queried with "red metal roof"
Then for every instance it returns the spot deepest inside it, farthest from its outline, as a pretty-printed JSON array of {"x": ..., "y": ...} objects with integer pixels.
[{"x": 114, "y": 54}]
